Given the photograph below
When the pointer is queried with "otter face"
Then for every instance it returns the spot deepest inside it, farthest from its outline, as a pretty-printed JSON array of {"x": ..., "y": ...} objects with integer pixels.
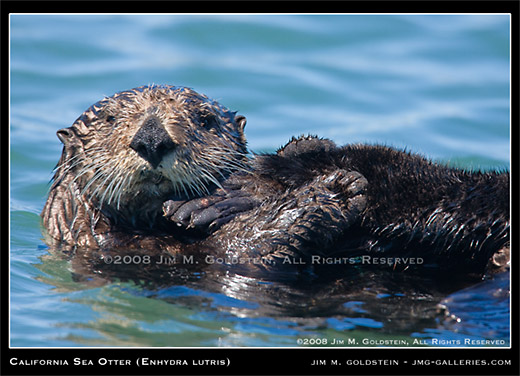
[{"x": 149, "y": 143}]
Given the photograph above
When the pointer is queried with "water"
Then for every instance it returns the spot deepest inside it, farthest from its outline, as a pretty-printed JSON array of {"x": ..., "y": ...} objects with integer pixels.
[{"x": 436, "y": 85}]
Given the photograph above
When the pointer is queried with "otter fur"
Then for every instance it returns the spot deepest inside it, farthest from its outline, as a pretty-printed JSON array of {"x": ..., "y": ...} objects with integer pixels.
[{"x": 163, "y": 167}]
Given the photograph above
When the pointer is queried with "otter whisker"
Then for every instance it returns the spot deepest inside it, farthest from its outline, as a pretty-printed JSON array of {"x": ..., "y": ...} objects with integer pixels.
[
  {"x": 214, "y": 169},
  {"x": 226, "y": 151},
  {"x": 113, "y": 177},
  {"x": 183, "y": 186},
  {"x": 92, "y": 165},
  {"x": 89, "y": 182},
  {"x": 120, "y": 188},
  {"x": 97, "y": 175},
  {"x": 200, "y": 188},
  {"x": 192, "y": 185},
  {"x": 200, "y": 183},
  {"x": 78, "y": 156},
  {"x": 235, "y": 167},
  {"x": 66, "y": 165},
  {"x": 112, "y": 187},
  {"x": 60, "y": 171},
  {"x": 207, "y": 175},
  {"x": 98, "y": 160},
  {"x": 217, "y": 157},
  {"x": 224, "y": 161},
  {"x": 101, "y": 185},
  {"x": 126, "y": 185},
  {"x": 223, "y": 169},
  {"x": 205, "y": 170}
]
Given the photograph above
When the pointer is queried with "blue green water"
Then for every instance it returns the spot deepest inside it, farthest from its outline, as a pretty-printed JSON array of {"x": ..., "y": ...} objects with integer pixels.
[{"x": 436, "y": 85}]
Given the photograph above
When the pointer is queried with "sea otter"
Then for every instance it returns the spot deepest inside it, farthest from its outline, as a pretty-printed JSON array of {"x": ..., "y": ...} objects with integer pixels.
[{"x": 165, "y": 168}]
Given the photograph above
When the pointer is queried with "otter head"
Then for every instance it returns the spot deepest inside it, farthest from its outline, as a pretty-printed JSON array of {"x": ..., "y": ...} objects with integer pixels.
[{"x": 143, "y": 146}]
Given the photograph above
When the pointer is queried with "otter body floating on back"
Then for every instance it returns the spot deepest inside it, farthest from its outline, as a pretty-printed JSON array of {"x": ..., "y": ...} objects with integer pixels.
[{"x": 162, "y": 167}]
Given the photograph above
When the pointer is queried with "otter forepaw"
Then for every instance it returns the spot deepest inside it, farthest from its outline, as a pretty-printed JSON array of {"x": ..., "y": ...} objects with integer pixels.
[
  {"x": 351, "y": 185},
  {"x": 181, "y": 212},
  {"x": 207, "y": 213}
]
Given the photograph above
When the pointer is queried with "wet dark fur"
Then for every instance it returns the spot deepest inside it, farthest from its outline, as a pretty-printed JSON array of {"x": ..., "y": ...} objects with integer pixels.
[
  {"x": 452, "y": 218},
  {"x": 311, "y": 198}
]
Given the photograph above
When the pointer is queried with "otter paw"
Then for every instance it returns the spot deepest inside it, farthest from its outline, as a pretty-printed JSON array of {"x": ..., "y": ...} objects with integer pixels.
[
  {"x": 306, "y": 144},
  {"x": 351, "y": 185},
  {"x": 207, "y": 213},
  {"x": 181, "y": 212}
]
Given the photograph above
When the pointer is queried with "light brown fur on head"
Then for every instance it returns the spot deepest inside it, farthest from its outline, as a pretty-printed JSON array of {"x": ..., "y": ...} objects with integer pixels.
[{"x": 104, "y": 170}]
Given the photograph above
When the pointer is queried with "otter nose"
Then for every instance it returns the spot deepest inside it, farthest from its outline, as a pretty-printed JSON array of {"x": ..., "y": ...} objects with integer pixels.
[{"x": 152, "y": 142}]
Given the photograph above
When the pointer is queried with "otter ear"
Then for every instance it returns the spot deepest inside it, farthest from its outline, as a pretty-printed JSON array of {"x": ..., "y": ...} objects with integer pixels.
[
  {"x": 65, "y": 135},
  {"x": 241, "y": 122}
]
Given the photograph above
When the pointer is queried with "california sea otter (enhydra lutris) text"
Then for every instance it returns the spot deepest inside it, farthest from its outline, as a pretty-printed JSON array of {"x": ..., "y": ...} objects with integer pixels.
[{"x": 165, "y": 167}]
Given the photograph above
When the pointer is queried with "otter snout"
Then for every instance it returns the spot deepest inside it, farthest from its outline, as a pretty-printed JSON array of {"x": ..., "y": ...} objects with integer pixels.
[{"x": 152, "y": 142}]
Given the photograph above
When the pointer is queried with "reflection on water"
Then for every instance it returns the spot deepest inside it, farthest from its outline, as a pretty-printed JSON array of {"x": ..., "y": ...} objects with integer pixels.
[{"x": 216, "y": 307}]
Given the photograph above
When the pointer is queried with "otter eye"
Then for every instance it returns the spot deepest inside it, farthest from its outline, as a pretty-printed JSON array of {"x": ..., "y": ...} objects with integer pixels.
[{"x": 209, "y": 122}]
